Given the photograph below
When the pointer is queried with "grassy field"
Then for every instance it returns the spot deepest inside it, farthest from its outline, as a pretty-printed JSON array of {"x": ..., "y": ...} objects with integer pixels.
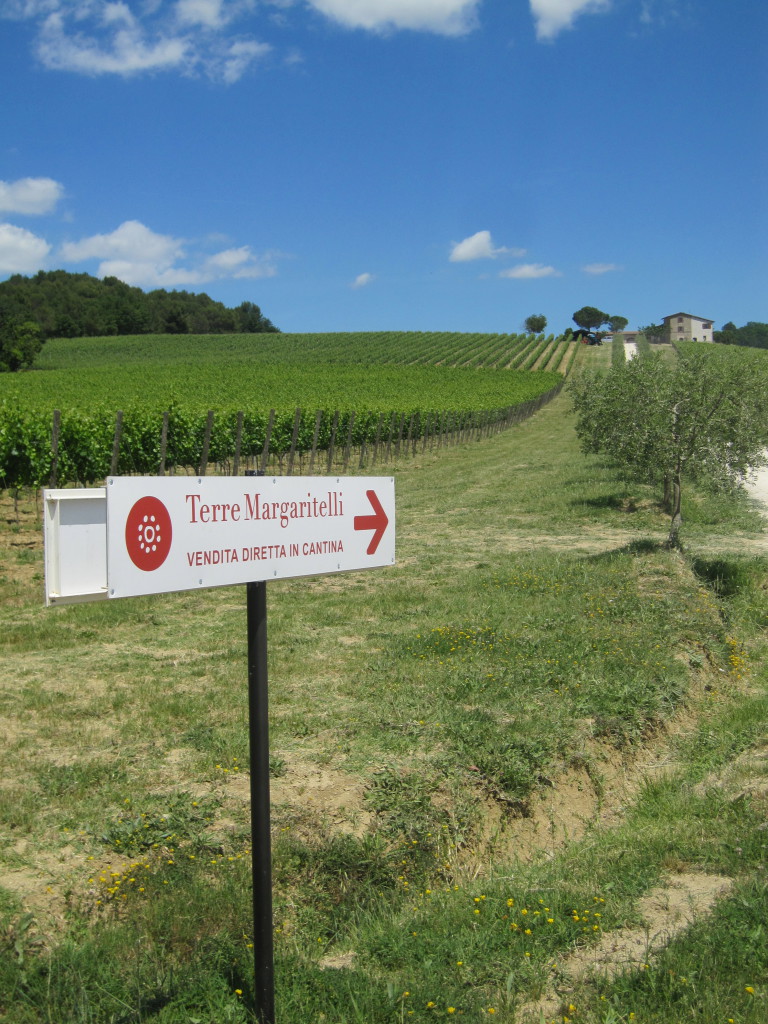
[{"x": 506, "y": 774}]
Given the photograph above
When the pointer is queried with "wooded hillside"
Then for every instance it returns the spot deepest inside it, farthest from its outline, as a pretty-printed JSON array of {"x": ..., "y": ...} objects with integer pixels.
[{"x": 65, "y": 305}]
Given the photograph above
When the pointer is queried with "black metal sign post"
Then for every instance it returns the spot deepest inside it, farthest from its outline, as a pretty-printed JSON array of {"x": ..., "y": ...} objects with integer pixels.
[
  {"x": 261, "y": 846},
  {"x": 261, "y": 828}
]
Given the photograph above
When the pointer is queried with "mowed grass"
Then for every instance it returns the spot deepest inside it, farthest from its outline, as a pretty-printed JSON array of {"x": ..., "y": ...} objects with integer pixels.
[{"x": 482, "y": 760}]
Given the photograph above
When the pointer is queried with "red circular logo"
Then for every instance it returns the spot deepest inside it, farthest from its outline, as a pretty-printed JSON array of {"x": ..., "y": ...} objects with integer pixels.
[{"x": 148, "y": 534}]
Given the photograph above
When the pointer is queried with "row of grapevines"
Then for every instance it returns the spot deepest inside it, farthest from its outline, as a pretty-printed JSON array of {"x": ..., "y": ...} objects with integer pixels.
[
  {"x": 222, "y": 385},
  {"x": 521, "y": 354},
  {"x": 536, "y": 352},
  {"x": 85, "y": 447},
  {"x": 558, "y": 356}
]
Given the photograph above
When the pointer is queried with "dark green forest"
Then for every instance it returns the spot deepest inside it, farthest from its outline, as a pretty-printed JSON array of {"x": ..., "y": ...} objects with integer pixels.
[
  {"x": 57, "y": 304},
  {"x": 753, "y": 334}
]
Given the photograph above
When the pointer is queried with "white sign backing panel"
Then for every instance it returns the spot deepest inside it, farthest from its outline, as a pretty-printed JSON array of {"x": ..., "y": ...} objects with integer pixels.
[
  {"x": 75, "y": 534},
  {"x": 166, "y": 534}
]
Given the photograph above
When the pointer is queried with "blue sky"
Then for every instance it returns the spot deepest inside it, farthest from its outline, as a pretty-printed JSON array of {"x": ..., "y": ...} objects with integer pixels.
[{"x": 394, "y": 164}]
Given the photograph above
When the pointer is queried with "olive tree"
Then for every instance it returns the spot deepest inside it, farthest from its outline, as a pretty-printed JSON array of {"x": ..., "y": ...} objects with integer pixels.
[{"x": 698, "y": 416}]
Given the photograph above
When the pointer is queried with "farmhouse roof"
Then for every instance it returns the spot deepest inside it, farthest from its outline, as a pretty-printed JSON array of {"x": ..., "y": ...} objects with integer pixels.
[{"x": 708, "y": 319}]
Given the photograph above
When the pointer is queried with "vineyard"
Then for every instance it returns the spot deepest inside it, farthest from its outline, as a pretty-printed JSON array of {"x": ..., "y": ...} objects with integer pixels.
[
  {"x": 394, "y": 348},
  {"x": 155, "y": 403}
]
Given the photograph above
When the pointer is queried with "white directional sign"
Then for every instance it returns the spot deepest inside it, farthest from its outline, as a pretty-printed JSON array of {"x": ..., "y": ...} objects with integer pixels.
[{"x": 164, "y": 534}]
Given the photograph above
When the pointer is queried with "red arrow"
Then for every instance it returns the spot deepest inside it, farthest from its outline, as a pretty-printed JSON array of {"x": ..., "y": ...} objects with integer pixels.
[{"x": 377, "y": 522}]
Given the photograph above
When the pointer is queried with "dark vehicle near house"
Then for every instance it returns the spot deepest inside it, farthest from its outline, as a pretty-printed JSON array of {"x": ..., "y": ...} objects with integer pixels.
[{"x": 588, "y": 337}]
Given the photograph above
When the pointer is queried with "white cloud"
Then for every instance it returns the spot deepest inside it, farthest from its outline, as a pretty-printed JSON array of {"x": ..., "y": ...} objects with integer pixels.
[
  {"x": 256, "y": 270},
  {"x": 144, "y": 274},
  {"x": 529, "y": 271},
  {"x": 124, "y": 52},
  {"x": 446, "y": 17},
  {"x": 114, "y": 13},
  {"x": 479, "y": 247},
  {"x": 229, "y": 260},
  {"x": 94, "y": 37},
  {"x": 21, "y": 252},
  {"x": 19, "y": 10},
  {"x": 238, "y": 263},
  {"x": 600, "y": 268},
  {"x": 553, "y": 16},
  {"x": 362, "y": 280},
  {"x": 660, "y": 12},
  {"x": 30, "y": 195},
  {"x": 132, "y": 240},
  {"x": 231, "y": 64},
  {"x": 139, "y": 256},
  {"x": 117, "y": 37},
  {"x": 201, "y": 12}
]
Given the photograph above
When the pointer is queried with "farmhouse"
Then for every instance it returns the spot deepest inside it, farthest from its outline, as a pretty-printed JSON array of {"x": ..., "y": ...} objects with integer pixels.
[{"x": 686, "y": 327}]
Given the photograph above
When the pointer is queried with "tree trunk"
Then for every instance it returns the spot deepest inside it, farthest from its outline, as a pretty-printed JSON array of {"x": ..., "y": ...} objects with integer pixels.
[{"x": 673, "y": 541}]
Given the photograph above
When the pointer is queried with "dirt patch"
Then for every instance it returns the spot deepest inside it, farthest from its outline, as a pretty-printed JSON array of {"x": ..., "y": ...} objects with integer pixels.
[
  {"x": 338, "y": 962},
  {"x": 746, "y": 777},
  {"x": 595, "y": 793},
  {"x": 336, "y": 796},
  {"x": 39, "y": 878},
  {"x": 667, "y": 910}
]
